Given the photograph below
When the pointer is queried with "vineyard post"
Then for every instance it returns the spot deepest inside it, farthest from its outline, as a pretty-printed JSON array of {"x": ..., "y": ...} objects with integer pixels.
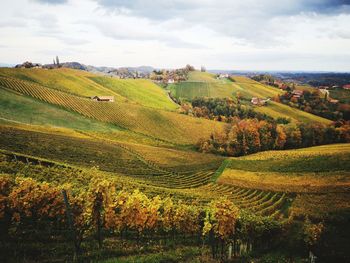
[
  {"x": 71, "y": 226},
  {"x": 230, "y": 251}
]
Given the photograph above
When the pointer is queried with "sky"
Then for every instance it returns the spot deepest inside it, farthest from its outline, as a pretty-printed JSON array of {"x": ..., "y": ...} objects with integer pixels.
[{"x": 291, "y": 35}]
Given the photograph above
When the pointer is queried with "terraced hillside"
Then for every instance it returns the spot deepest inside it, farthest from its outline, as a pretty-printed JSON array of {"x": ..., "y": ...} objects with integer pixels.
[
  {"x": 68, "y": 80},
  {"x": 313, "y": 169},
  {"x": 249, "y": 88},
  {"x": 142, "y": 143},
  {"x": 316, "y": 175},
  {"x": 85, "y": 84},
  {"x": 275, "y": 109},
  {"x": 192, "y": 178},
  {"x": 163, "y": 125}
]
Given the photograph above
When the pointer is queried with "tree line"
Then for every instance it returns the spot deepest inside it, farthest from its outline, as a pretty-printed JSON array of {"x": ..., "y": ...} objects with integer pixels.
[
  {"x": 224, "y": 110},
  {"x": 248, "y": 136},
  {"x": 312, "y": 102}
]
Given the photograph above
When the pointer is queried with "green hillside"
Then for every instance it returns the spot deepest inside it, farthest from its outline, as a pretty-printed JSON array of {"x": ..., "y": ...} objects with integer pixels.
[
  {"x": 141, "y": 91},
  {"x": 202, "y": 84},
  {"x": 309, "y": 169},
  {"x": 24, "y": 109},
  {"x": 85, "y": 84},
  {"x": 63, "y": 79},
  {"x": 275, "y": 110},
  {"x": 249, "y": 88},
  {"x": 201, "y": 76},
  {"x": 157, "y": 124}
]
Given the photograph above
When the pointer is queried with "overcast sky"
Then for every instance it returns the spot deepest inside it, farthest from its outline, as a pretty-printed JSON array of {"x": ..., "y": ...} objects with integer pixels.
[{"x": 220, "y": 34}]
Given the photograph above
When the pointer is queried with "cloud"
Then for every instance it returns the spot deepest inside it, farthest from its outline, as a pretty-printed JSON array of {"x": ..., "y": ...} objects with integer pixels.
[
  {"x": 249, "y": 34},
  {"x": 256, "y": 22},
  {"x": 51, "y": 2}
]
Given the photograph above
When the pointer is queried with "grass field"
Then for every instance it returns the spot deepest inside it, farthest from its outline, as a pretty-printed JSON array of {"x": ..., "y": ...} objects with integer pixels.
[
  {"x": 141, "y": 91},
  {"x": 16, "y": 107},
  {"x": 201, "y": 76},
  {"x": 202, "y": 84},
  {"x": 315, "y": 169}
]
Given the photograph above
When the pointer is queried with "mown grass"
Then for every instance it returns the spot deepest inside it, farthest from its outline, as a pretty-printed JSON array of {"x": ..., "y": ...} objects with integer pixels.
[
  {"x": 16, "y": 107},
  {"x": 201, "y": 76},
  {"x": 204, "y": 85},
  {"x": 141, "y": 91},
  {"x": 190, "y": 90}
]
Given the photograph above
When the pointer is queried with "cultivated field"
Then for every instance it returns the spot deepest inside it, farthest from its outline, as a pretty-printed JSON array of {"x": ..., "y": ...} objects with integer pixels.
[
  {"x": 52, "y": 137},
  {"x": 157, "y": 124}
]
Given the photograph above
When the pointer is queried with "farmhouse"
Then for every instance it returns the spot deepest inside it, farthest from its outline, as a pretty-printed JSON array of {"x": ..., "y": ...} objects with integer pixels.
[
  {"x": 258, "y": 101},
  {"x": 171, "y": 81},
  {"x": 103, "y": 98},
  {"x": 297, "y": 93},
  {"x": 223, "y": 76},
  {"x": 333, "y": 101},
  {"x": 347, "y": 86}
]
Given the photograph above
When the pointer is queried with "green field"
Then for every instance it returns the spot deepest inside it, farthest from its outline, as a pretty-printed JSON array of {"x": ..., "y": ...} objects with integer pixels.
[
  {"x": 16, "y": 107},
  {"x": 141, "y": 91},
  {"x": 202, "y": 84}
]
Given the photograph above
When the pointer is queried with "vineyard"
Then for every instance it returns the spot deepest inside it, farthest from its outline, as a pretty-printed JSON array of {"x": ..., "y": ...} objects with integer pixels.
[
  {"x": 164, "y": 125},
  {"x": 123, "y": 159},
  {"x": 89, "y": 181}
]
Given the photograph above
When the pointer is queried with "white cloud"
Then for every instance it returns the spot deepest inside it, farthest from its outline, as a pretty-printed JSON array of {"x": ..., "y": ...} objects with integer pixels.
[{"x": 250, "y": 34}]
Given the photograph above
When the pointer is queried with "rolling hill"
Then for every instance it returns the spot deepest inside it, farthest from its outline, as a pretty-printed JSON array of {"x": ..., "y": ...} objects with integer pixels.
[
  {"x": 84, "y": 84},
  {"x": 202, "y": 84},
  {"x": 157, "y": 124},
  {"x": 53, "y": 137}
]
